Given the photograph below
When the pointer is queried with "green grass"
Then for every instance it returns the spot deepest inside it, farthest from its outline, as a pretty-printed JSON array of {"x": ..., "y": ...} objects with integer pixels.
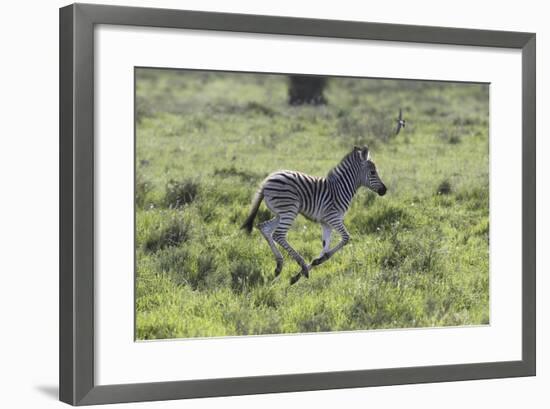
[{"x": 418, "y": 257}]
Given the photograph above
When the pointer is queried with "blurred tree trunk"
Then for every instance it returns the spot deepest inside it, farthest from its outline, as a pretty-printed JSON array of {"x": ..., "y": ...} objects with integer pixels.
[{"x": 304, "y": 89}]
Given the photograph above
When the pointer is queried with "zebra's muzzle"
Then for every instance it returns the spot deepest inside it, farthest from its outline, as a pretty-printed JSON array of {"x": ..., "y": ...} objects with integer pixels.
[{"x": 382, "y": 191}]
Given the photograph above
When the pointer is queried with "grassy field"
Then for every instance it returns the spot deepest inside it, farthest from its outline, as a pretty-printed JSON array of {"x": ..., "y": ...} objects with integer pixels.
[{"x": 418, "y": 256}]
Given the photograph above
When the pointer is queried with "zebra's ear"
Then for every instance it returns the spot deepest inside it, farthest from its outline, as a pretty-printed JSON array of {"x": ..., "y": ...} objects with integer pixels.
[{"x": 364, "y": 153}]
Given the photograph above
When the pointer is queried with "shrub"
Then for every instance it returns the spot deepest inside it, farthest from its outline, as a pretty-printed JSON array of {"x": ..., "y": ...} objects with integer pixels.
[
  {"x": 179, "y": 194},
  {"x": 157, "y": 329},
  {"x": 413, "y": 252},
  {"x": 467, "y": 120},
  {"x": 176, "y": 231},
  {"x": 172, "y": 259},
  {"x": 256, "y": 107},
  {"x": 475, "y": 198},
  {"x": 320, "y": 322},
  {"x": 452, "y": 135},
  {"x": 243, "y": 174},
  {"x": 266, "y": 297},
  {"x": 197, "y": 269},
  {"x": 205, "y": 265},
  {"x": 185, "y": 266},
  {"x": 245, "y": 274},
  {"x": 444, "y": 188},
  {"x": 454, "y": 139}
]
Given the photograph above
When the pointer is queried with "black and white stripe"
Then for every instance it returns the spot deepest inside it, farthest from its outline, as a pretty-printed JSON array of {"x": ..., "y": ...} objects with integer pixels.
[{"x": 324, "y": 200}]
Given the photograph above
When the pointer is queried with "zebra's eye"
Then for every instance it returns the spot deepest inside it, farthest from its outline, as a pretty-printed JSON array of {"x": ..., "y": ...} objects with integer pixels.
[{"x": 372, "y": 173}]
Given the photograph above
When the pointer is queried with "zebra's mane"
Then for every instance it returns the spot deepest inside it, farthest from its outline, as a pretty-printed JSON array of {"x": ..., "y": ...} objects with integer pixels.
[{"x": 352, "y": 156}]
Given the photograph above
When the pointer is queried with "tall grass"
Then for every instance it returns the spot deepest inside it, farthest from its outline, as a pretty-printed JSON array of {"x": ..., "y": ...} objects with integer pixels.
[{"x": 418, "y": 257}]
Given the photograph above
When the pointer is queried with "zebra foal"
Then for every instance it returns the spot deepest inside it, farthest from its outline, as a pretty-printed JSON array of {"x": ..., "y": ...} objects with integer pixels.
[{"x": 324, "y": 200}]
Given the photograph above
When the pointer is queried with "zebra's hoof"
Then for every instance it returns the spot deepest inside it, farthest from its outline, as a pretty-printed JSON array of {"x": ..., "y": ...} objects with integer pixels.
[
  {"x": 319, "y": 260},
  {"x": 305, "y": 272},
  {"x": 295, "y": 278},
  {"x": 278, "y": 269}
]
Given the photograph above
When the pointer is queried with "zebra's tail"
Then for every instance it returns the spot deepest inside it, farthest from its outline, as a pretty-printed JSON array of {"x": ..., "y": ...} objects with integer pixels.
[{"x": 249, "y": 222}]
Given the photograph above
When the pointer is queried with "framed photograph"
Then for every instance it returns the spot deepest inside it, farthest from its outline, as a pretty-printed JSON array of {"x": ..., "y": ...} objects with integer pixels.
[{"x": 258, "y": 204}]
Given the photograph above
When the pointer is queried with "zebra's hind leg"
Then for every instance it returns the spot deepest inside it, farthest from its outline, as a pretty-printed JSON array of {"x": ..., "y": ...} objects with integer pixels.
[
  {"x": 279, "y": 235},
  {"x": 267, "y": 228}
]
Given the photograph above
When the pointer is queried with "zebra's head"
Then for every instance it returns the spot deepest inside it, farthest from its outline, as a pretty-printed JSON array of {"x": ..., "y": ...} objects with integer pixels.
[{"x": 369, "y": 174}]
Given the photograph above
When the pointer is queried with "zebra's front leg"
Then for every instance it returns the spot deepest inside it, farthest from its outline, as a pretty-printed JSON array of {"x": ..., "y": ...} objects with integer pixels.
[
  {"x": 267, "y": 228},
  {"x": 326, "y": 244},
  {"x": 280, "y": 237},
  {"x": 341, "y": 229}
]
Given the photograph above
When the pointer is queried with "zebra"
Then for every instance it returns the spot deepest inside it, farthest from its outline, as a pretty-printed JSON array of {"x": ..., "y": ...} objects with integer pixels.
[{"x": 326, "y": 200}]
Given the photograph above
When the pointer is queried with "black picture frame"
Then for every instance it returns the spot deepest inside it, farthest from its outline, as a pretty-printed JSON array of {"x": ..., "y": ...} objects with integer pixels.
[{"x": 76, "y": 276}]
